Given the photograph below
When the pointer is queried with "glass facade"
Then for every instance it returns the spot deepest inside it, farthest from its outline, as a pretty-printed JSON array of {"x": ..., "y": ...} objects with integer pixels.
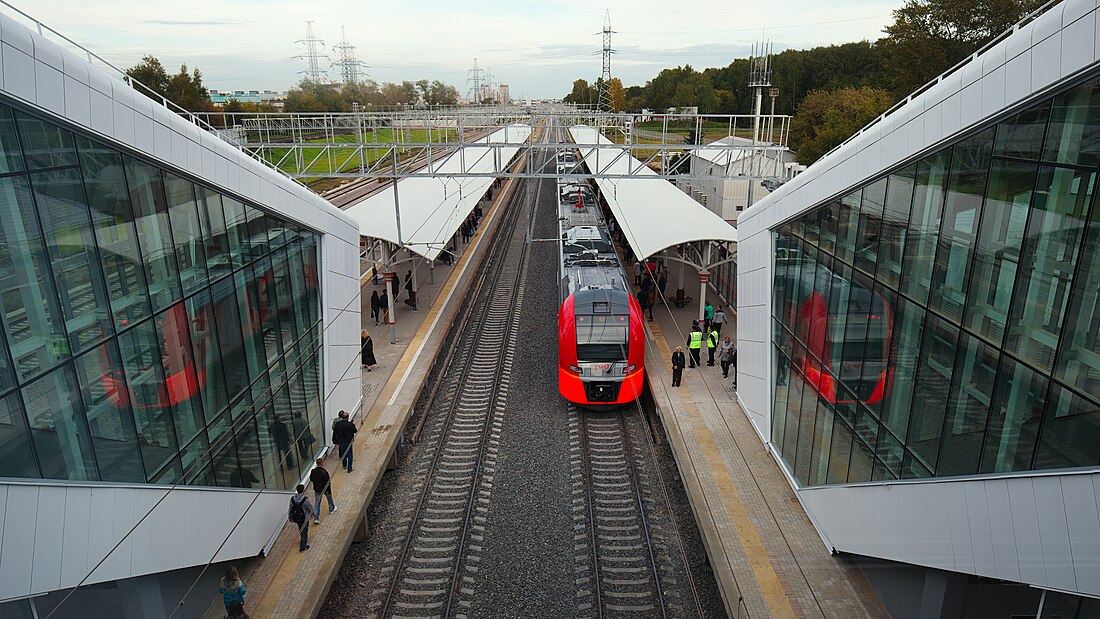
[
  {"x": 945, "y": 319},
  {"x": 153, "y": 330}
]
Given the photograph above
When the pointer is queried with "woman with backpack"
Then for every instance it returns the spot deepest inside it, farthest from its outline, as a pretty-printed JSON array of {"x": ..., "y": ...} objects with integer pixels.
[{"x": 232, "y": 589}]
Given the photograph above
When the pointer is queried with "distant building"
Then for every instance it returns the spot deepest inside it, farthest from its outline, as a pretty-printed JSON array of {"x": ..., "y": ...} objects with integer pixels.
[
  {"x": 221, "y": 97},
  {"x": 731, "y": 190},
  {"x": 503, "y": 96}
]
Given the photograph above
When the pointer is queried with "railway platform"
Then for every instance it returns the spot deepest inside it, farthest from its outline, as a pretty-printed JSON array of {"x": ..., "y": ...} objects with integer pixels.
[
  {"x": 288, "y": 583},
  {"x": 766, "y": 555}
]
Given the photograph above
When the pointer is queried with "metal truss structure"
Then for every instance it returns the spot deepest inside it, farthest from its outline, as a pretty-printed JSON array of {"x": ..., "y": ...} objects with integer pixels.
[{"x": 365, "y": 144}]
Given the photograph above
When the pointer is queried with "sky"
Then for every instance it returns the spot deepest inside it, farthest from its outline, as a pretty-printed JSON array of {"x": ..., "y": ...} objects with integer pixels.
[{"x": 537, "y": 48}]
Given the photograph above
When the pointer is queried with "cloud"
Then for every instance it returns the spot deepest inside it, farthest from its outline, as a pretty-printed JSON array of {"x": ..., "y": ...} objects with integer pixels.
[{"x": 196, "y": 22}]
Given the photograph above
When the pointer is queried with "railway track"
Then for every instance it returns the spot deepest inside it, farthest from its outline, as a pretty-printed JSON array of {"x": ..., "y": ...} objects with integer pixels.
[{"x": 436, "y": 545}]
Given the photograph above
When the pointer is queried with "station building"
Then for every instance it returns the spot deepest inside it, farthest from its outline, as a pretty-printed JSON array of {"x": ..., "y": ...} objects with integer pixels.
[
  {"x": 919, "y": 329},
  {"x": 179, "y": 328}
]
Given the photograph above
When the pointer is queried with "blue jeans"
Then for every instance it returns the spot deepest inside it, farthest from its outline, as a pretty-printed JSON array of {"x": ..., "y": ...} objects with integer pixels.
[
  {"x": 346, "y": 456},
  {"x": 317, "y": 503},
  {"x": 303, "y": 541}
]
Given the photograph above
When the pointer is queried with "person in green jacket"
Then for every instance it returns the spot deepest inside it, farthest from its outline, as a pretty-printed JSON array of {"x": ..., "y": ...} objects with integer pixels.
[{"x": 708, "y": 316}]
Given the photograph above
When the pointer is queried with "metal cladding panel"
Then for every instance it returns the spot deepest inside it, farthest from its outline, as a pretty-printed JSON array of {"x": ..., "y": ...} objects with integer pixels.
[
  {"x": 54, "y": 534},
  {"x": 432, "y": 211},
  {"x": 653, "y": 213},
  {"x": 1038, "y": 529}
]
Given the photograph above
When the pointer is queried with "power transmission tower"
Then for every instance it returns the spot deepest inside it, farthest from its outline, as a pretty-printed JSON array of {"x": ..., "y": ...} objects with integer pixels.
[
  {"x": 349, "y": 65},
  {"x": 473, "y": 76},
  {"x": 605, "y": 79},
  {"x": 313, "y": 56}
]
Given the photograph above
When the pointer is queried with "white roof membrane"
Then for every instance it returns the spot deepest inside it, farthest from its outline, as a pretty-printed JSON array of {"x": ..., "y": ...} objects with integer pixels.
[
  {"x": 653, "y": 213},
  {"x": 432, "y": 208}
]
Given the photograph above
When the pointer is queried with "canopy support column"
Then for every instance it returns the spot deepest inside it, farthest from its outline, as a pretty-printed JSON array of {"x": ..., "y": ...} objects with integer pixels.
[{"x": 388, "y": 281}]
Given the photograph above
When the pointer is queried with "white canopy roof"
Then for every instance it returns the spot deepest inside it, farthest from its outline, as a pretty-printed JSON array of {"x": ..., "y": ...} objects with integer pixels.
[
  {"x": 653, "y": 213},
  {"x": 433, "y": 208}
]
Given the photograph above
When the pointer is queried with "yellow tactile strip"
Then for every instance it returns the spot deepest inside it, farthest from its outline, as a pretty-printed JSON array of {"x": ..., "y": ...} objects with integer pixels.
[{"x": 765, "y": 573}]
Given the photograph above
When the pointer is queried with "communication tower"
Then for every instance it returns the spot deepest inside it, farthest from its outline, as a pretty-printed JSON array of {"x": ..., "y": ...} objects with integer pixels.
[
  {"x": 313, "y": 56},
  {"x": 605, "y": 78},
  {"x": 760, "y": 77},
  {"x": 348, "y": 63}
]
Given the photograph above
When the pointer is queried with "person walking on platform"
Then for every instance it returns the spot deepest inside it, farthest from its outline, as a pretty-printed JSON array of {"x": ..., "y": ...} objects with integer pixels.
[
  {"x": 695, "y": 341},
  {"x": 375, "y": 306},
  {"x": 643, "y": 300},
  {"x": 637, "y": 273},
  {"x": 712, "y": 343},
  {"x": 662, "y": 282},
  {"x": 232, "y": 588},
  {"x": 708, "y": 316},
  {"x": 322, "y": 484},
  {"x": 395, "y": 287},
  {"x": 677, "y": 366},
  {"x": 726, "y": 352},
  {"x": 300, "y": 507},
  {"x": 719, "y": 319},
  {"x": 384, "y": 306},
  {"x": 651, "y": 300},
  {"x": 367, "y": 352},
  {"x": 343, "y": 433},
  {"x": 411, "y": 290}
]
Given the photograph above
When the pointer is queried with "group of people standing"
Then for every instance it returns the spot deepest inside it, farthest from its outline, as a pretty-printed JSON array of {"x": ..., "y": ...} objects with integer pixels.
[
  {"x": 645, "y": 274},
  {"x": 710, "y": 335}
]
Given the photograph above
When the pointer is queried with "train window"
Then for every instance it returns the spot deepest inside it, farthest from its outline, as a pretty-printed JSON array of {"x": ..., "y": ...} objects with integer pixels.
[{"x": 602, "y": 338}]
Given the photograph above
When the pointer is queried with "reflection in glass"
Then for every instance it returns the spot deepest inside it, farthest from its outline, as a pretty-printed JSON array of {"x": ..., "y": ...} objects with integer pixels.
[
  {"x": 1070, "y": 433},
  {"x": 16, "y": 458},
  {"x": 870, "y": 226},
  {"x": 187, "y": 232},
  {"x": 968, "y": 407},
  {"x": 1014, "y": 424},
  {"x": 141, "y": 357},
  {"x": 56, "y": 416},
  {"x": 70, "y": 242},
  {"x": 924, "y": 226},
  {"x": 45, "y": 144},
  {"x": 154, "y": 232},
  {"x": 1074, "y": 134},
  {"x": 110, "y": 420},
  {"x": 32, "y": 319},
  {"x": 11, "y": 155},
  {"x": 895, "y": 222}
]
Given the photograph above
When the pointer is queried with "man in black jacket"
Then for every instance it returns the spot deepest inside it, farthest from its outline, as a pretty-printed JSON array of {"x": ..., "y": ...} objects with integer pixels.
[
  {"x": 677, "y": 365},
  {"x": 322, "y": 484},
  {"x": 343, "y": 433}
]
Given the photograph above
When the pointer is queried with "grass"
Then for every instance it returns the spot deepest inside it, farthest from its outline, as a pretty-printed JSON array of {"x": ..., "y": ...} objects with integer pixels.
[{"x": 337, "y": 160}]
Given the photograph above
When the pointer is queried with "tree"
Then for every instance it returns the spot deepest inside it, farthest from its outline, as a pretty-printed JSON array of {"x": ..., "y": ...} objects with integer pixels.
[
  {"x": 618, "y": 95},
  {"x": 186, "y": 90},
  {"x": 150, "y": 72},
  {"x": 826, "y": 118},
  {"x": 582, "y": 94},
  {"x": 930, "y": 36}
]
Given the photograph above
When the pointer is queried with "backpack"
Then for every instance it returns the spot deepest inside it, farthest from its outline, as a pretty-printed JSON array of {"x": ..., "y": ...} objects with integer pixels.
[{"x": 297, "y": 511}]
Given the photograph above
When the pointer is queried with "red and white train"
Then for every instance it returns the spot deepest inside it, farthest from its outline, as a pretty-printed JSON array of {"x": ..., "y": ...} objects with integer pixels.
[{"x": 601, "y": 338}]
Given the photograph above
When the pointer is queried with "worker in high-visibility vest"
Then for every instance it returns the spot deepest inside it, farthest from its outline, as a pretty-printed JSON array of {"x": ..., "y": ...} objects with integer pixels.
[
  {"x": 712, "y": 343},
  {"x": 695, "y": 342}
]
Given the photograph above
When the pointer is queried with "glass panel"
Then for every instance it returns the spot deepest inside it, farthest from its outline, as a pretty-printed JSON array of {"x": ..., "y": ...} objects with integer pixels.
[
  {"x": 263, "y": 291},
  {"x": 227, "y": 319},
  {"x": 115, "y": 232},
  {"x": 970, "y": 162},
  {"x": 1070, "y": 435},
  {"x": 16, "y": 457},
  {"x": 807, "y": 419},
  {"x": 848, "y": 226},
  {"x": 70, "y": 241},
  {"x": 45, "y": 145},
  {"x": 311, "y": 377},
  {"x": 258, "y": 226},
  {"x": 840, "y": 452},
  {"x": 862, "y": 460},
  {"x": 1022, "y": 135},
  {"x": 870, "y": 226},
  {"x": 285, "y": 433},
  {"x": 103, "y": 384},
  {"x": 924, "y": 226},
  {"x": 794, "y": 409},
  {"x": 201, "y": 313},
  {"x": 968, "y": 407},
  {"x": 219, "y": 259},
  {"x": 819, "y": 460},
  {"x": 779, "y": 412},
  {"x": 273, "y": 470},
  {"x": 895, "y": 222},
  {"x": 1054, "y": 234},
  {"x": 828, "y": 216},
  {"x": 311, "y": 265},
  {"x": 908, "y": 328},
  {"x": 11, "y": 154},
  {"x": 56, "y": 416},
  {"x": 32, "y": 319},
  {"x": 889, "y": 453},
  {"x": 154, "y": 233},
  {"x": 934, "y": 370},
  {"x": 141, "y": 357},
  {"x": 251, "y": 473},
  {"x": 1014, "y": 423},
  {"x": 237, "y": 230},
  {"x": 299, "y": 296},
  {"x": 1074, "y": 134},
  {"x": 187, "y": 232},
  {"x": 227, "y": 469},
  {"x": 997, "y": 255},
  {"x": 284, "y": 297},
  {"x": 252, "y": 330},
  {"x": 195, "y": 456},
  {"x": 1079, "y": 359},
  {"x": 181, "y": 380}
]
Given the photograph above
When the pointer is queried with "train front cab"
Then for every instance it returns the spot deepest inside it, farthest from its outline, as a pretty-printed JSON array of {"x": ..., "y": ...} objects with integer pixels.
[{"x": 601, "y": 349}]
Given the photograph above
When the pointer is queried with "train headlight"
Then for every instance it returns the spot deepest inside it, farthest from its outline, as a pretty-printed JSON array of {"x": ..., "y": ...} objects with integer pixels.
[
  {"x": 628, "y": 369},
  {"x": 575, "y": 369}
]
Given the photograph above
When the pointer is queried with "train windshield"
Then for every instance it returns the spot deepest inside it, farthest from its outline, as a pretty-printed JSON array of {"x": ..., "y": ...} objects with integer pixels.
[{"x": 602, "y": 338}]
